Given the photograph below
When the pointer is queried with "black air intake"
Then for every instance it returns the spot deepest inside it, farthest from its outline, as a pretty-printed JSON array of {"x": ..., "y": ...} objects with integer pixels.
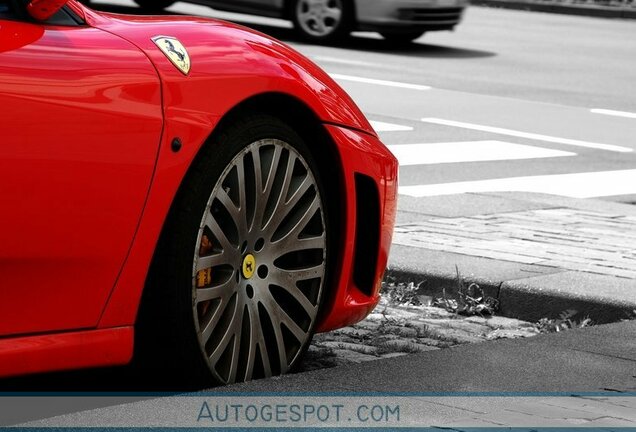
[{"x": 367, "y": 233}]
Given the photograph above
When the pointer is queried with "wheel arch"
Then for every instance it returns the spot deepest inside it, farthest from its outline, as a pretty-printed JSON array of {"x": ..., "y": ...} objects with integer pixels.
[
  {"x": 283, "y": 82},
  {"x": 323, "y": 150}
]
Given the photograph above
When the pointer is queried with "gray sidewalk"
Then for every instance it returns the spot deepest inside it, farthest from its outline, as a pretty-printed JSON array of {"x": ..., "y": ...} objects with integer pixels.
[{"x": 539, "y": 255}]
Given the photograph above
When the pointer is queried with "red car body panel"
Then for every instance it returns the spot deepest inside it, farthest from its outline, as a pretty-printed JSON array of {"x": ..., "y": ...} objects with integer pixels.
[
  {"x": 63, "y": 351},
  {"x": 115, "y": 116},
  {"x": 362, "y": 154},
  {"x": 79, "y": 145}
]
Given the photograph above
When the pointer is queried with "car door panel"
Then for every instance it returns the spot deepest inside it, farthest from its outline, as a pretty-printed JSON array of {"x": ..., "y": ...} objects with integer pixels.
[{"x": 80, "y": 126}]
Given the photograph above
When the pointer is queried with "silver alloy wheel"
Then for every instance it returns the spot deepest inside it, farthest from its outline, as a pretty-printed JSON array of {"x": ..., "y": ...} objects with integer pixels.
[
  {"x": 319, "y": 18},
  {"x": 259, "y": 263}
]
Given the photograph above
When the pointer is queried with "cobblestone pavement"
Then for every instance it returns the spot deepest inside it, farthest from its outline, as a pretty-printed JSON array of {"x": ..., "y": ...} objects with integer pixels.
[
  {"x": 586, "y": 241},
  {"x": 396, "y": 330}
]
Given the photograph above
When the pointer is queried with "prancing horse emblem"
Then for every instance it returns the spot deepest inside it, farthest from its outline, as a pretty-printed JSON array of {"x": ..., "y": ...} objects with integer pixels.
[{"x": 175, "y": 51}]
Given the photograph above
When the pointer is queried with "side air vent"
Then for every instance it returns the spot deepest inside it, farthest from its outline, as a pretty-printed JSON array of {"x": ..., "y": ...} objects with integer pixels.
[{"x": 367, "y": 233}]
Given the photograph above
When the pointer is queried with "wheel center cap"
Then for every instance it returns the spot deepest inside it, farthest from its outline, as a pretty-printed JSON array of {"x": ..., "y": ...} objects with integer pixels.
[{"x": 249, "y": 266}]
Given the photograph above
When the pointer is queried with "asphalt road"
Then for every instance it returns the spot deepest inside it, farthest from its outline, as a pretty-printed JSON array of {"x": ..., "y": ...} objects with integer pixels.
[
  {"x": 510, "y": 101},
  {"x": 579, "y": 362}
]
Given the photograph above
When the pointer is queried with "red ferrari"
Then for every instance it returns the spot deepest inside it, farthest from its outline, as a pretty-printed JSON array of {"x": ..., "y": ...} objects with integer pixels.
[{"x": 182, "y": 189}]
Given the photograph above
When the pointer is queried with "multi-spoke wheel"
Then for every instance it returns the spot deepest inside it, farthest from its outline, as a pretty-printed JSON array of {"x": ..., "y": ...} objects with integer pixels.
[
  {"x": 322, "y": 20},
  {"x": 251, "y": 233}
]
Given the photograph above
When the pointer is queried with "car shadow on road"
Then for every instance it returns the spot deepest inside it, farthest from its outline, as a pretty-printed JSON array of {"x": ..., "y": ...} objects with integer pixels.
[
  {"x": 415, "y": 49},
  {"x": 355, "y": 42},
  {"x": 115, "y": 379},
  {"x": 377, "y": 45}
]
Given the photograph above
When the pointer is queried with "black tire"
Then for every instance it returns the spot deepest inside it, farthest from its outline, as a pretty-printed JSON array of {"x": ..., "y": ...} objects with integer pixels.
[
  {"x": 154, "y": 5},
  {"x": 402, "y": 38},
  {"x": 323, "y": 26},
  {"x": 182, "y": 335}
]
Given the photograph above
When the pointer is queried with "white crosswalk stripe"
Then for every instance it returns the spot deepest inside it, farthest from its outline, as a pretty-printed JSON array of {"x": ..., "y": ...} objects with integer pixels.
[
  {"x": 379, "y": 82},
  {"x": 529, "y": 135},
  {"x": 614, "y": 113},
  {"x": 379, "y": 126},
  {"x": 469, "y": 151},
  {"x": 577, "y": 185}
]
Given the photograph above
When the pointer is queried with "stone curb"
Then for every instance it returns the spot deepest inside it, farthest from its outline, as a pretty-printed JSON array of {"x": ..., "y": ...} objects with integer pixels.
[
  {"x": 581, "y": 10},
  {"x": 602, "y": 298}
]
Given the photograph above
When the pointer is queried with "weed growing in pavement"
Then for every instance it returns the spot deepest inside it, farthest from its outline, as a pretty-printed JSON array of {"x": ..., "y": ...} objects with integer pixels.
[
  {"x": 405, "y": 294},
  {"x": 471, "y": 300},
  {"x": 565, "y": 321}
]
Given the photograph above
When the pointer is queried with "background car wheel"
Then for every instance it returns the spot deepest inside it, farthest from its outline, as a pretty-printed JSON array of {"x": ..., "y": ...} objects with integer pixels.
[
  {"x": 322, "y": 20},
  {"x": 402, "y": 37},
  {"x": 235, "y": 292},
  {"x": 154, "y": 5}
]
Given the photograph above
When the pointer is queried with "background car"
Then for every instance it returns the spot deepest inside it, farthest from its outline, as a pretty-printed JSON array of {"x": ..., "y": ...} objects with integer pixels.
[
  {"x": 328, "y": 20},
  {"x": 180, "y": 188}
]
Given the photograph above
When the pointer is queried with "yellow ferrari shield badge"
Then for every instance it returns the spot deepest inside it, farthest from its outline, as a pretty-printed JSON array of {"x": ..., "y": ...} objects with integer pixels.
[
  {"x": 249, "y": 266},
  {"x": 175, "y": 51}
]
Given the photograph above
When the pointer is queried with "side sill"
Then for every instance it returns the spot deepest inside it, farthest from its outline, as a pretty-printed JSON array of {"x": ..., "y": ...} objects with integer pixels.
[{"x": 64, "y": 351}]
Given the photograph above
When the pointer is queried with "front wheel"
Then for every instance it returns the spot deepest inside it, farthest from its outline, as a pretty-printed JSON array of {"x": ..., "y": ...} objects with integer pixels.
[
  {"x": 154, "y": 5},
  {"x": 322, "y": 20},
  {"x": 243, "y": 263},
  {"x": 401, "y": 38}
]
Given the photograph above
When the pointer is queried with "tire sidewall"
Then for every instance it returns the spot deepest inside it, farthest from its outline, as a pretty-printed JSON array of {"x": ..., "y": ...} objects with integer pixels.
[{"x": 183, "y": 234}]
